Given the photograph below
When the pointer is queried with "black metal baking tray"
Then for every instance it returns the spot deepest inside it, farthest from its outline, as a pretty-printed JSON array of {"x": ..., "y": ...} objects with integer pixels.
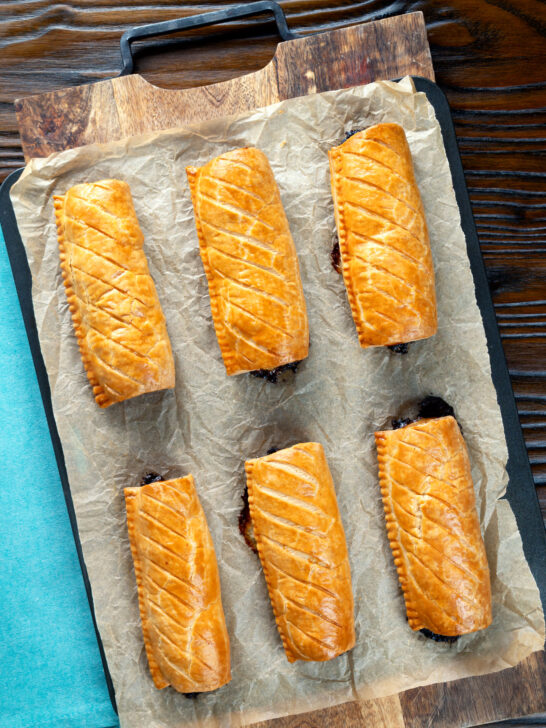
[
  {"x": 23, "y": 284},
  {"x": 521, "y": 491}
]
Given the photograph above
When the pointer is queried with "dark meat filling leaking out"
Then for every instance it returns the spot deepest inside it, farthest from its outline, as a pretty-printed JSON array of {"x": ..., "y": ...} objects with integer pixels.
[
  {"x": 435, "y": 407},
  {"x": 245, "y": 524},
  {"x": 430, "y": 407},
  {"x": 335, "y": 257},
  {"x": 399, "y": 348},
  {"x": 397, "y": 424},
  {"x": 439, "y": 637},
  {"x": 272, "y": 375},
  {"x": 349, "y": 134},
  {"x": 151, "y": 477}
]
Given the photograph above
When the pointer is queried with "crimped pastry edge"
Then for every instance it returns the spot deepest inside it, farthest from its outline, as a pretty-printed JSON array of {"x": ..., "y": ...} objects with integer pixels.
[
  {"x": 101, "y": 397},
  {"x": 335, "y": 163},
  {"x": 131, "y": 498},
  {"x": 228, "y": 354},
  {"x": 399, "y": 561},
  {"x": 334, "y": 155},
  {"x": 249, "y": 469}
]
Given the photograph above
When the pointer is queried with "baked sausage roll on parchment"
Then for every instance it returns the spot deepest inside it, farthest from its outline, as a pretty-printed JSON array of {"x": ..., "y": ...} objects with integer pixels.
[
  {"x": 115, "y": 310},
  {"x": 183, "y": 623},
  {"x": 302, "y": 548},
  {"x": 433, "y": 527},
  {"x": 383, "y": 238},
  {"x": 250, "y": 261}
]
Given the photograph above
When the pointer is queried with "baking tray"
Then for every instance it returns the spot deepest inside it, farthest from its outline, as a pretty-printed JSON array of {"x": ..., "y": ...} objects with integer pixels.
[{"x": 521, "y": 492}]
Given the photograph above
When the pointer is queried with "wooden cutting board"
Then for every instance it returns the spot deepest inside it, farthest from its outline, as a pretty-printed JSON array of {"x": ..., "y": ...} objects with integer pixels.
[
  {"x": 127, "y": 105},
  {"x": 112, "y": 109}
]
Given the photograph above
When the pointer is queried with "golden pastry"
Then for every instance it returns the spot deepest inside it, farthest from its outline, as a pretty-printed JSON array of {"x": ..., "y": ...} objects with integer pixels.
[
  {"x": 383, "y": 238},
  {"x": 116, "y": 313},
  {"x": 433, "y": 526},
  {"x": 178, "y": 587},
  {"x": 302, "y": 548},
  {"x": 250, "y": 261}
]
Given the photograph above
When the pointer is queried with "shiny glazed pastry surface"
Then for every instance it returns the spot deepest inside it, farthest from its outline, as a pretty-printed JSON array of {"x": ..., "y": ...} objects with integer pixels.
[
  {"x": 115, "y": 310},
  {"x": 302, "y": 548},
  {"x": 383, "y": 238},
  {"x": 433, "y": 526},
  {"x": 250, "y": 261},
  {"x": 183, "y": 623}
]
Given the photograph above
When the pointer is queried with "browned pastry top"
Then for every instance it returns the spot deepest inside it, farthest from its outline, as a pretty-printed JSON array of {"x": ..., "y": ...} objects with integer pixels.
[
  {"x": 302, "y": 548},
  {"x": 178, "y": 587},
  {"x": 250, "y": 261},
  {"x": 383, "y": 237},
  {"x": 433, "y": 526},
  {"x": 116, "y": 313}
]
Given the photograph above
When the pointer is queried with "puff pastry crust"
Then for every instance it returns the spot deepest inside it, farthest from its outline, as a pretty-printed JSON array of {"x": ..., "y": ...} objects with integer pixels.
[
  {"x": 433, "y": 526},
  {"x": 116, "y": 313},
  {"x": 183, "y": 623},
  {"x": 302, "y": 548},
  {"x": 383, "y": 238},
  {"x": 250, "y": 261}
]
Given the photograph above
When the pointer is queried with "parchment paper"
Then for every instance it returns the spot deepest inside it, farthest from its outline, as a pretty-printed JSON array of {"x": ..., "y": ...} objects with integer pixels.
[{"x": 211, "y": 423}]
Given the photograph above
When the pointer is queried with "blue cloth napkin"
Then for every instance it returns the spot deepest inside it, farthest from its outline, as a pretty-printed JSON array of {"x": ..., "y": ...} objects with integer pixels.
[{"x": 51, "y": 673}]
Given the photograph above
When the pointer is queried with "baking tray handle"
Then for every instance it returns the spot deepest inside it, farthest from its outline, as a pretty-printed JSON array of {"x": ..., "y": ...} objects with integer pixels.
[{"x": 200, "y": 21}]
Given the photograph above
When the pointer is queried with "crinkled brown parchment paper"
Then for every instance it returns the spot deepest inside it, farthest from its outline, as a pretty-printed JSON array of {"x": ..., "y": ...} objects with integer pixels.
[{"x": 210, "y": 423}]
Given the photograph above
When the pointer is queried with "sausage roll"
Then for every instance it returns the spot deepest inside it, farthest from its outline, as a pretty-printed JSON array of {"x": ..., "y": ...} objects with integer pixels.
[
  {"x": 301, "y": 544},
  {"x": 433, "y": 526},
  {"x": 183, "y": 623},
  {"x": 385, "y": 252},
  {"x": 116, "y": 313},
  {"x": 250, "y": 261}
]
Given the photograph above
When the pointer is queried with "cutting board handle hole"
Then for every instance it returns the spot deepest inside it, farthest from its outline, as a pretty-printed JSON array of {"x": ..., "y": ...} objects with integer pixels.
[
  {"x": 227, "y": 54},
  {"x": 196, "y": 22}
]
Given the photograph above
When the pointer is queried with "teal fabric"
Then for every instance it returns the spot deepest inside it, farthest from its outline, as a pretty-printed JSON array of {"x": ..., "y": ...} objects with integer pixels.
[{"x": 51, "y": 674}]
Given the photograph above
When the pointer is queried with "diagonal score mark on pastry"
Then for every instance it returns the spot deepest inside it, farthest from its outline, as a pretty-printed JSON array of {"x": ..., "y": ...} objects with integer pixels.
[
  {"x": 115, "y": 309},
  {"x": 433, "y": 526},
  {"x": 385, "y": 252},
  {"x": 183, "y": 622},
  {"x": 302, "y": 548},
  {"x": 250, "y": 261}
]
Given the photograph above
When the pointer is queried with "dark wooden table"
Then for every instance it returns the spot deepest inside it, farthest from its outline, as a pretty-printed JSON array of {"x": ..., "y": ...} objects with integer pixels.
[{"x": 490, "y": 59}]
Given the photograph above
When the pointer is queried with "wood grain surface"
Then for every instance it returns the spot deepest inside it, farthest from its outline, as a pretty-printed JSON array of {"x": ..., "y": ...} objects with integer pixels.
[
  {"x": 489, "y": 59},
  {"x": 130, "y": 105}
]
